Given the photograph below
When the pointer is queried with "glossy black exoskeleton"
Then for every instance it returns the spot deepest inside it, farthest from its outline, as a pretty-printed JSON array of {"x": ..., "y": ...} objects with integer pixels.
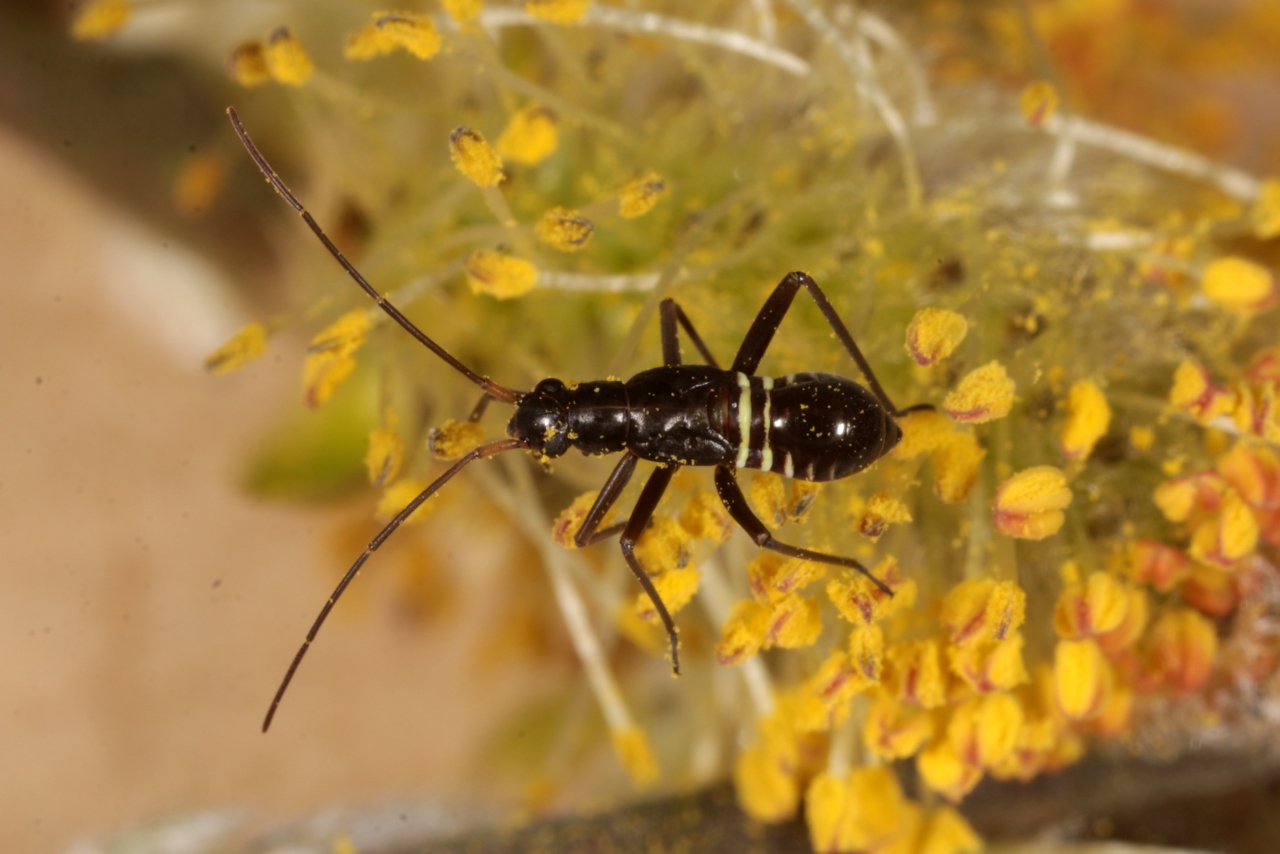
[{"x": 809, "y": 426}]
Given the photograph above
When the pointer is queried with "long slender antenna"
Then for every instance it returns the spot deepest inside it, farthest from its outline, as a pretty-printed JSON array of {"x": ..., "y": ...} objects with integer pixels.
[
  {"x": 489, "y": 450},
  {"x": 490, "y": 387}
]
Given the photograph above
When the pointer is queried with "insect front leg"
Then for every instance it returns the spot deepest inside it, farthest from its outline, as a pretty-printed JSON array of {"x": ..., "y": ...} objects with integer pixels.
[
  {"x": 760, "y": 334},
  {"x": 646, "y": 504},
  {"x": 736, "y": 503},
  {"x": 670, "y": 313}
]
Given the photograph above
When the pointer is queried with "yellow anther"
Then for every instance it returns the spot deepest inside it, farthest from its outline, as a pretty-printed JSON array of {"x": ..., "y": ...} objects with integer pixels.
[
  {"x": 934, "y": 334},
  {"x": 98, "y": 19},
  {"x": 1038, "y": 101},
  {"x": 463, "y": 11},
  {"x": 765, "y": 779},
  {"x": 880, "y": 512},
  {"x": 286, "y": 58},
  {"x": 1266, "y": 210},
  {"x": 1088, "y": 416},
  {"x": 452, "y": 439},
  {"x": 676, "y": 588},
  {"x": 982, "y": 609},
  {"x": 385, "y": 455},
  {"x": 743, "y": 633},
  {"x": 1183, "y": 645},
  {"x": 862, "y": 602},
  {"x": 345, "y": 335},
  {"x": 985, "y": 730},
  {"x": 984, "y": 394},
  {"x": 247, "y": 64},
  {"x": 474, "y": 157},
  {"x": 915, "y": 673},
  {"x": 638, "y": 197},
  {"x": 500, "y": 275},
  {"x": 943, "y": 770},
  {"x": 1239, "y": 285},
  {"x": 631, "y": 746},
  {"x": 1193, "y": 391},
  {"x": 896, "y": 730},
  {"x": 705, "y": 518},
  {"x": 1229, "y": 536},
  {"x": 566, "y": 230},
  {"x": 1210, "y": 590},
  {"x": 664, "y": 546},
  {"x": 571, "y": 518},
  {"x": 923, "y": 430},
  {"x": 794, "y": 622},
  {"x": 1159, "y": 565},
  {"x": 1029, "y": 505},
  {"x": 322, "y": 373},
  {"x": 1081, "y": 678},
  {"x": 558, "y": 11},
  {"x": 1123, "y": 637},
  {"x": 1254, "y": 471},
  {"x": 530, "y": 136},
  {"x": 955, "y": 466},
  {"x": 1090, "y": 608},
  {"x": 397, "y": 496},
  {"x": 241, "y": 349},
  {"x": 769, "y": 498},
  {"x": 989, "y": 666}
]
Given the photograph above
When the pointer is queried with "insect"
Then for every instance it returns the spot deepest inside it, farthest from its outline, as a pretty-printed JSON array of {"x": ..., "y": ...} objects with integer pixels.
[{"x": 809, "y": 426}]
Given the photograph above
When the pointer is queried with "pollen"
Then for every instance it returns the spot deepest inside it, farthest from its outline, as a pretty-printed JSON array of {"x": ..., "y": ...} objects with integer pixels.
[
  {"x": 955, "y": 466},
  {"x": 676, "y": 588},
  {"x": 664, "y": 546},
  {"x": 1088, "y": 416},
  {"x": 474, "y": 157},
  {"x": 631, "y": 746},
  {"x": 287, "y": 60},
  {"x": 1266, "y": 210},
  {"x": 531, "y": 135},
  {"x": 1183, "y": 645},
  {"x": 1239, "y": 285},
  {"x": 241, "y": 349},
  {"x": 934, "y": 334},
  {"x": 452, "y": 439},
  {"x": 769, "y": 499},
  {"x": 638, "y": 197},
  {"x": 385, "y": 455},
  {"x": 247, "y": 64},
  {"x": 1081, "y": 678},
  {"x": 558, "y": 11},
  {"x": 1038, "y": 101},
  {"x": 923, "y": 430},
  {"x": 881, "y": 511},
  {"x": 983, "y": 609},
  {"x": 566, "y": 230},
  {"x": 397, "y": 496},
  {"x": 705, "y": 518},
  {"x": 743, "y": 633},
  {"x": 500, "y": 275},
  {"x": 1029, "y": 505},
  {"x": 984, "y": 394},
  {"x": 100, "y": 18},
  {"x": 463, "y": 11}
]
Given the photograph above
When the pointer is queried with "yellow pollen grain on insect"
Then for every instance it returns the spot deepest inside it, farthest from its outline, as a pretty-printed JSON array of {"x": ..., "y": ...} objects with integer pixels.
[
  {"x": 1239, "y": 285},
  {"x": 398, "y": 495},
  {"x": 982, "y": 395},
  {"x": 100, "y": 18},
  {"x": 638, "y": 197},
  {"x": 463, "y": 11},
  {"x": 452, "y": 439},
  {"x": 1038, "y": 102},
  {"x": 531, "y": 135},
  {"x": 566, "y": 230},
  {"x": 242, "y": 348},
  {"x": 247, "y": 64},
  {"x": 934, "y": 333},
  {"x": 631, "y": 746},
  {"x": 287, "y": 60},
  {"x": 1029, "y": 505},
  {"x": 500, "y": 275},
  {"x": 1266, "y": 210},
  {"x": 1088, "y": 416},
  {"x": 558, "y": 11},
  {"x": 475, "y": 158}
]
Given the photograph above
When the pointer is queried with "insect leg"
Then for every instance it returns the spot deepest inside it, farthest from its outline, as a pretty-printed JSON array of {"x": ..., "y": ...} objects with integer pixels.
[
  {"x": 736, "y": 503},
  {"x": 640, "y": 516},
  {"x": 671, "y": 313},
  {"x": 587, "y": 533},
  {"x": 770, "y": 317},
  {"x": 477, "y": 412},
  {"x": 483, "y": 451}
]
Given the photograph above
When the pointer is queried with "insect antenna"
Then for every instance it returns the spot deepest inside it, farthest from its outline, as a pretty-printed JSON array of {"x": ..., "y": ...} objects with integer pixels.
[
  {"x": 488, "y": 450},
  {"x": 490, "y": 387}
]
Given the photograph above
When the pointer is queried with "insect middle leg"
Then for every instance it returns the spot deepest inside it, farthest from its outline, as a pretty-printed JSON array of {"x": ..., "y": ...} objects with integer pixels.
[
  {"x": 736, "y": 503},
  {"x": 670, "y": 314}
]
